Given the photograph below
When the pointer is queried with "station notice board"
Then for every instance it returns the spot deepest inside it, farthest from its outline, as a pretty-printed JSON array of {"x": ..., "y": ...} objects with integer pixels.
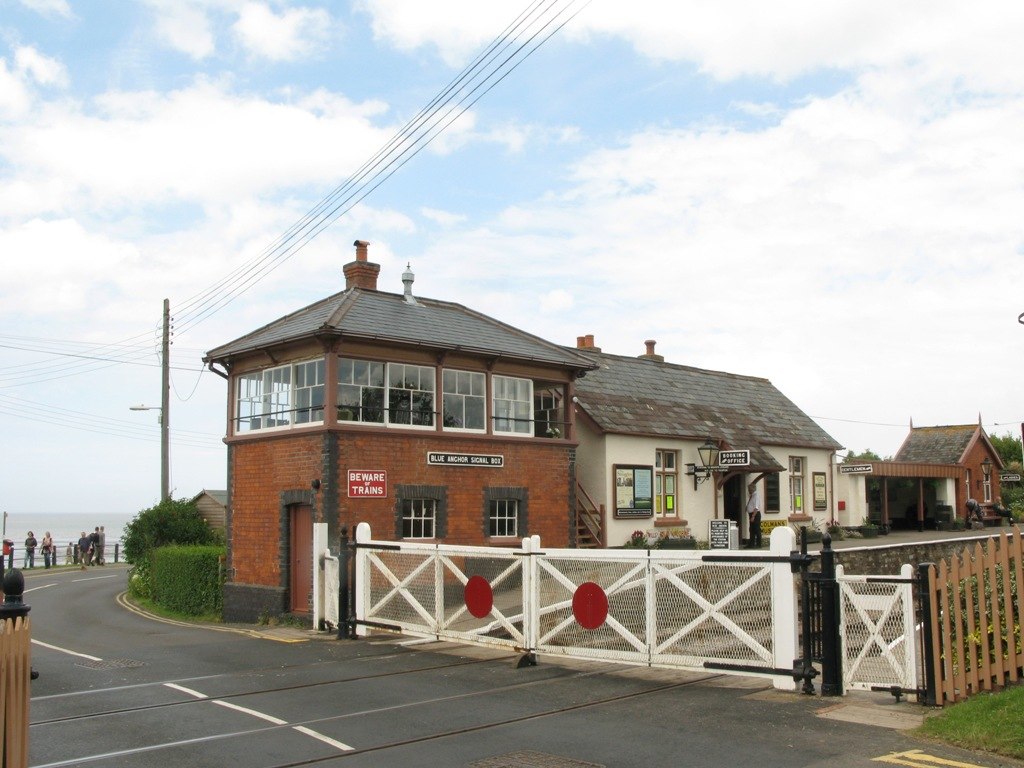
[{"x": 718, "y": 534}]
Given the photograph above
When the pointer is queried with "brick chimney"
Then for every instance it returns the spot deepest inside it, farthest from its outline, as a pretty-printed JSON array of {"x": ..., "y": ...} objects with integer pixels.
[
  {"x": 649, "y": 354},
  {"x": 587, "y": 342},
  {"x": 361, "y": 273}
]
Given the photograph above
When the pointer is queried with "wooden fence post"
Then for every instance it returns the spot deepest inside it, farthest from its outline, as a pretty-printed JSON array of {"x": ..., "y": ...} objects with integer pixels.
[{"x": 15, "y": 671}]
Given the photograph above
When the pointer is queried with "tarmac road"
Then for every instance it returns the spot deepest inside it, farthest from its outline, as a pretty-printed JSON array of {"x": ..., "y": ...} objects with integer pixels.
[{"x": 119, "y": 688}]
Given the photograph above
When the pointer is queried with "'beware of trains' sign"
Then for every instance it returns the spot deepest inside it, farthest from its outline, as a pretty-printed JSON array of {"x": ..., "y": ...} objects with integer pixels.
[{"x": 367, "y": 483}]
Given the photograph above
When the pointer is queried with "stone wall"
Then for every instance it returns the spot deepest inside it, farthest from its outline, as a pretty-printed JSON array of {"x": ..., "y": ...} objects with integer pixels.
[{"x": 886, "y": 560}]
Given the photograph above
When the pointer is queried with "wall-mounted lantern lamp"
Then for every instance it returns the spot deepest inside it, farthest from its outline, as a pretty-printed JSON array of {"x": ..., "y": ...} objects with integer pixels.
[
  {"x": 986, "y": 467},
  {"x": 708, "y": 453}
]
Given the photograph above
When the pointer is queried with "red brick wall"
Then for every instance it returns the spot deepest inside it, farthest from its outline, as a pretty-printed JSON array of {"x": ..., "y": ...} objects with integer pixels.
[
  {"x": 541, "y": 466},
  {"x": 263, "y": 469}
]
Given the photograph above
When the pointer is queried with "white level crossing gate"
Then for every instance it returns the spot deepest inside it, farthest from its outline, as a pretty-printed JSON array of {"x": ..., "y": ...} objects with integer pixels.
[
  {"x": 878, "y": 633},
  {"x": 728, "y": 611}
]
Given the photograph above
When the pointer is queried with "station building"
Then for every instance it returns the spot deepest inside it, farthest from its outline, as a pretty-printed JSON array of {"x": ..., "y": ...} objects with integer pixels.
[{"x": 642, "y": 423}]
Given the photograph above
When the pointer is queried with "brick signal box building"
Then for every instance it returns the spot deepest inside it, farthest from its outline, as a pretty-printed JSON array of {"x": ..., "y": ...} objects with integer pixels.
[{"x": 426, "y": 419}]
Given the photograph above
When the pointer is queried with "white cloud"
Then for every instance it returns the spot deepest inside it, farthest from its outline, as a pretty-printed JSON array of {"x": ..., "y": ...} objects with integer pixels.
[
  {"x": 856, "y": 244},
  {"x": 738, "y": 38},
  {"x": 195, "y": 145},
  {"x": 49, "y": 7},
  {"x": 14, "y": 94},
  {"x": 292, "y": 34},
  {"x": 184, "y": 26},
  {"x": 444, "y": 218},
  {"x": 42, "y": 69}
]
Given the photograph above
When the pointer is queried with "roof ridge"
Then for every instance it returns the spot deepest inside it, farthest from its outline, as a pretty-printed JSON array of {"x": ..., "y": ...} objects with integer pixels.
[{"x": 677, "y": 366}]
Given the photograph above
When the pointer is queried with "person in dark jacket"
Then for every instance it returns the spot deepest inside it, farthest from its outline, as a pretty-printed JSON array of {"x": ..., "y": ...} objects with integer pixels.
[
  {"x": 84, "y": 546},
  {"x": 30, "y": 550},
  {"x": 1002, "y": 511},
  {"x": 94, "y": 547}
]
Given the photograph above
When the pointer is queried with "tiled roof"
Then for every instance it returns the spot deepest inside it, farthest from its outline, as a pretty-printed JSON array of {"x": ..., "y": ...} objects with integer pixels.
[
  {"x": 937, "y": 445},
  {"x": 647, "y": 397},
  {"x": 389, "y": 318}
]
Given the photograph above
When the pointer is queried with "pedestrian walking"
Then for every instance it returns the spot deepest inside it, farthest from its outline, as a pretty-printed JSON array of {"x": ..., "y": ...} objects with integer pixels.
[
  {"x": 30, "y": 550},
  {"x": 84, "y": 547},
  {"x": 69, "y": 554},
  {"x": 101, "y": 551},
  {"x": 49, "y": 553}
]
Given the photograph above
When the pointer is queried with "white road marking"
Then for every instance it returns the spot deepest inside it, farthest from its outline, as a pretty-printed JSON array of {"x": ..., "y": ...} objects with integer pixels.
[
  {"x": 65, "y": 650},
  {"x": 185, "y": 690},
  {"x": 44, "y": 586},
  {"x": 324, "y": 739},
  {"x": 253, "y": 712},
  {"x": 269, "y": 718}
]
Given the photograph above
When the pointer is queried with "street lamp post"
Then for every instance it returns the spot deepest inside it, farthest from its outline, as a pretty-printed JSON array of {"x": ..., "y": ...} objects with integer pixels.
[{"x": 165, "y": 463}]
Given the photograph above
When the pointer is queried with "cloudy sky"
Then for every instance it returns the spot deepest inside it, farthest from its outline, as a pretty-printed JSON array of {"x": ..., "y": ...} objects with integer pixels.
[{"x": 827, "y": 195}]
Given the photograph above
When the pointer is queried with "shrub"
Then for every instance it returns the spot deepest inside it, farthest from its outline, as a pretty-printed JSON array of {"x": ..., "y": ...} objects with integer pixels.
[
  {"x": 188, "y": 579},
  {"x": 169, "y": 522}
]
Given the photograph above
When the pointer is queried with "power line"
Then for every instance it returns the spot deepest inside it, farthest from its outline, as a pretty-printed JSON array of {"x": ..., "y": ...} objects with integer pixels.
[
  {"x": 533, "y": 27},
  {"x": 537, "y": 25}
]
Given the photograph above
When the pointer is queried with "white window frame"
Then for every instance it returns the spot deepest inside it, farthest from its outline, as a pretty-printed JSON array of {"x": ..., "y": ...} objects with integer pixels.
[
  {"x": 419, "y": 512},
  {"x": 423, "y": 375},
  {"x": 797, "y": 469},
  {"x": 363, "y": 379},
  {"x": 425, "y": 384},
  {"x": 270, "y": 394},
  {"x": 454, "y": 386},
  {"x": 512, "y": 405},
  {"x": 503, "y": 515},
  {"x": 663, "y": 473}
]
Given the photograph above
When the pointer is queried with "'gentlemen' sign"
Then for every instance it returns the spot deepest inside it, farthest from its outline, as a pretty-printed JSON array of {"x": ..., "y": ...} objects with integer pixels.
[
  {"x": 855, "y": 469},
  {"x": 438, "y": 458}
]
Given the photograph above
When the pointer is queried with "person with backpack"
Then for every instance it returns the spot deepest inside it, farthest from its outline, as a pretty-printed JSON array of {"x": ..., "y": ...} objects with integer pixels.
[{"x": 49, "y": 555}]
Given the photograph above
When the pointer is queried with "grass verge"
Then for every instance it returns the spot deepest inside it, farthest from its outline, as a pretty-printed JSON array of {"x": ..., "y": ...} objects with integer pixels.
[
  {"x": 993, "y": 722},
  {"x": 158, "y": 610}
]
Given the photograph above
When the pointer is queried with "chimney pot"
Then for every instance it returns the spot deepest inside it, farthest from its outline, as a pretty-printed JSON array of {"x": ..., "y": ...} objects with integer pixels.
[
  {"x": 361, "y": 273},
  {"x": 361, "y": 246},
  {"x": 649, "y": 354}
]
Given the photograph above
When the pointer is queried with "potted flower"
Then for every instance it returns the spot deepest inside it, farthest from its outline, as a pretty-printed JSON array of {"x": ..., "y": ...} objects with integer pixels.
[
  {"x": 868, "y": 529},
  {"x": 836, "y": 531},
  {"x": 677, "y": 538}
]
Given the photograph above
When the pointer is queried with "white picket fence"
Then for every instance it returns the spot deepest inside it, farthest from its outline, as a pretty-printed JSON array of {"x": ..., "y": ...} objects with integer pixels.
[{"x": 726, "y": 610}]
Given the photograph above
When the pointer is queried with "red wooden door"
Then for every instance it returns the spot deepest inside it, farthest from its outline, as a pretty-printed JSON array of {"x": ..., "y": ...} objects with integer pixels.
[{"x": 301, "y": 558}]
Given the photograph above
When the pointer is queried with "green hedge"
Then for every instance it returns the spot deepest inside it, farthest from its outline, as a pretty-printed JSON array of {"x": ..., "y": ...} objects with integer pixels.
[{"x": 188, "y": 580}]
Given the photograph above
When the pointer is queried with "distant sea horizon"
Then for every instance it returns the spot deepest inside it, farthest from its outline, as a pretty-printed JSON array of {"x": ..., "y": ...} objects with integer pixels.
[{"x": 64, "y": 527}]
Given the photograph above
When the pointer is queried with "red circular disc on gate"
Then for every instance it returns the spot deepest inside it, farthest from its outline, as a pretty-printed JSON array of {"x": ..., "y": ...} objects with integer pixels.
[
  {"x": 590, "y": 605},
  {"x": 479, "y": 597}
]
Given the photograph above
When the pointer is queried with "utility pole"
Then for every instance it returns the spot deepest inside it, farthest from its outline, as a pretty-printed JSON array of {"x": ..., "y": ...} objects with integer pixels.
[{"x": 165, "y": 406}]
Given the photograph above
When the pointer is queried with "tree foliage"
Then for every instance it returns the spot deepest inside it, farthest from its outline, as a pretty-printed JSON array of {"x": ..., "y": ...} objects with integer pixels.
[
  {"x": 1008, "y": 448},
  {"x": 175, "y": 521},
  {"x": 866, "y": 455}
]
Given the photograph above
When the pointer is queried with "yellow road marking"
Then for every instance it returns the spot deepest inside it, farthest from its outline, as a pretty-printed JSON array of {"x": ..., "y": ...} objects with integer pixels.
[{"x": 919, "y": 759}]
